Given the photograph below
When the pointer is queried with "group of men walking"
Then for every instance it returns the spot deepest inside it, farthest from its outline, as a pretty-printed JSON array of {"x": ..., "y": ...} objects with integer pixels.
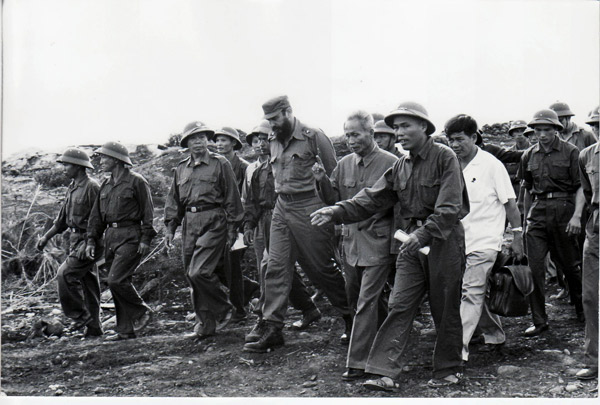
[{"x": 451, "y": 203}]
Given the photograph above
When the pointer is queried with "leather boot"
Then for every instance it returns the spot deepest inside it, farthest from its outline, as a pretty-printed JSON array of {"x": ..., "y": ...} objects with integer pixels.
[
  {"x": 273, "y": 337},
  {"x": 345, "y": 338},
  {"x": 256, "y": 332}
]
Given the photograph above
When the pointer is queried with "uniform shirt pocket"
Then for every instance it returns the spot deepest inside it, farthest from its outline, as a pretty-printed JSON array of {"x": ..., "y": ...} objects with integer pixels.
[
  {"x": 560, "y": 169},
  {"x": 430, "y": 189}
]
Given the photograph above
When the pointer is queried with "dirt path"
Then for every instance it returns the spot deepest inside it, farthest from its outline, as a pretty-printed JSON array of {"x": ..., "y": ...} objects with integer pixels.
[{"x": 164, "y": 363}]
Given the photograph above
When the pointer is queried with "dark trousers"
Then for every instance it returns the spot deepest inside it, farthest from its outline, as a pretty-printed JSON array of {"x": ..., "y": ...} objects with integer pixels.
[
  {"x": 78, "y": 285},
  {"x": 204, "y": 238},
  {"x": 440, "y": 273},
  {"x": 546, "y": 232},
  {"x": 292, "y": 239},
  {"x": 120, "y": 254},
  {"x": 590, "y": 290},
  {"x": 230, "y": 267}
]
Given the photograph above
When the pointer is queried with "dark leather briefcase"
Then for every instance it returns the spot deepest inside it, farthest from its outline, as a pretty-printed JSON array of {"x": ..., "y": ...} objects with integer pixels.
[{"x": 509, "y": 284}]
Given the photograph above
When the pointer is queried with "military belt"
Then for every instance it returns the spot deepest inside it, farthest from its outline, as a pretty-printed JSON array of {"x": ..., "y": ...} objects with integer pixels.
[
  {"x": 123, "y": 224},
  {"x": 77, "y": 230},
  {"x": 297, "y": 196},
  {"x": 203, "y": 207},
  {"x": 554, "y": 194}
]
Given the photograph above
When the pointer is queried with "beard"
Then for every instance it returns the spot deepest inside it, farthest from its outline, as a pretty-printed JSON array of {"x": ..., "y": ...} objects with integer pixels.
[{"x": 283, "y": 133}]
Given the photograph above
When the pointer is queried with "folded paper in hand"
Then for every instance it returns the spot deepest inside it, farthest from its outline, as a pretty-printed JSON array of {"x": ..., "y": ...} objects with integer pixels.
[{"x": 403, "y": 237}]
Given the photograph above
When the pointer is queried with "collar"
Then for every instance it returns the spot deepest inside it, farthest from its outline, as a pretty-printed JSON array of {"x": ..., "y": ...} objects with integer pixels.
[
  {"x": 125, "y": 178},
  {"x": 556, "y": 145},
  {"x": 297, "y": 130},
  {"x": 369, "y": 157},
  {"x": 424, "y": 151},
  {"x": 476, "y": 159},
  {"x": 74, "y": 183},
  {"x": 204, "y": 159}
]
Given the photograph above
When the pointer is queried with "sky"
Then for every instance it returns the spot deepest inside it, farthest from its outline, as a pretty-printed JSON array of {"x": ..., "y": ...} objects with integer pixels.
[{"x": 136, "y": 71}]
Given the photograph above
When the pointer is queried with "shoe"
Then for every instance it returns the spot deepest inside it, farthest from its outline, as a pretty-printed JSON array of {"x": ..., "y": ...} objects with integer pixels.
[
  {"x": 451, "y": 379},
  {"x": 563, "y": 293},
  {"x": 312, "y": 316},
  {"x": 257, "y": 331},
  {"x": 196, "y": 336},
  {"x": 238, "y": 317},
  {"x": 225, "y": 321},
  {"x": 535, "y": 330},
  {"x": 119, "y": 336},
  {"x": 353, "y": 374},
  {"x": 92, "y": 331},
  {"x": 490, "y": 347},
  {"x": 143, "y": 321},
  {"x": 580, "y": 317},
  {"x": 382, "y": 384},
  {"x": 79, "y": 324},
  {"x": 587, "y": 373},
  {"x": 345, "y": 338},
  {"x": 273, "y": 337}
]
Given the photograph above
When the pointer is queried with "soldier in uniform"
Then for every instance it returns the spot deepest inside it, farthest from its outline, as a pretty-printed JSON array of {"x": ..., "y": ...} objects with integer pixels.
[
  {"x": 593, "y": 121},
  {"x": 123, "y": 213},
  {"x": 550, "y": 175},
  {"x": 428, "y": 186},
  {"x": 204, "y": 198},
  {"x": 516, "y": 131},
  {"x": 367, "y": 244},
  {"x": 571, "y": 132},
  {"x": 78, "y": 286},
  {"x": 294, "y": 150},
  {"x": 590, "y": 182},
  {"x": 228, "y": 141},
  {"x": 385, "y": 137},
  {"x": 258, "y": 210}
]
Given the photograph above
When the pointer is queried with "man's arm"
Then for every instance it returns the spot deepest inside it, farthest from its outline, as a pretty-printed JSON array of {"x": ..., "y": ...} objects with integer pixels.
[
  {"x": 514, "y": 219},
  {"x": 232, "y": 204},
  {"x": 326, "y": 152}
]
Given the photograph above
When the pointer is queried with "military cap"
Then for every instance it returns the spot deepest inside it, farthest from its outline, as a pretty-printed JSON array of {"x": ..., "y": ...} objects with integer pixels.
[
  {"x": 546, "y": 117},
  {"x": 518, "y": 124},
  {"x": 528, "y": 131},
  {"x": 381, "y": 127},
  {"x": 75, "y": 156},
  {"x": 195, "y": 127},
  {"x": 263, "y": 128},
  {"x": 561, "y": 109},
  {"x": 274, "y": 105},
  {"x": 115, "y": 150},
  {"x": 593, "y": 117},
  {"x": 411, "y": 109},
  {"x": 231, "y": 133}
]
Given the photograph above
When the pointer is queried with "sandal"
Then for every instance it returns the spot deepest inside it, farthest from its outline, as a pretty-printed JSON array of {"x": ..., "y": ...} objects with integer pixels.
[
  {"x": 382, "y": 384},
  {"x": 450, "y": 379}
]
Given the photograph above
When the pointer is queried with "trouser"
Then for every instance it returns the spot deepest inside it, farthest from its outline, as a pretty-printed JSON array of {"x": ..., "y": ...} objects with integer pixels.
[
  {"x": 440, "y": 273},
  {"x": 292, "y": 239},
  {"x": 473, "y": 309},
  {"x": 546, "y": 232},
  {"x": 121, "y": 259},
  {"x": 369, "y": 281},
  {"x": 204, "y": 238},
  {"x": 299, "y": 296},
  {"x": 78, "y": 285},
  {"x": 230, "y": 266},
  {"x": 590, "y": 290}
]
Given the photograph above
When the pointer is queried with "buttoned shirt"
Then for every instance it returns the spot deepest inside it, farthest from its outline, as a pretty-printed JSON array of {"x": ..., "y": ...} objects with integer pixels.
[
  {"x": 208, "y": 181},
  {"x": 555, "y": 170},
  {"x": 75, "y": 210},
  {"x": 366, "y": 243},
  {"x": 239, "y": 166},
  {"x": 489, "y": 188},
  {"x": 248, "y": 177},
  {"x": 578, "y": 136},
  {"x": 588, "y": 169},
  {"x": 261, "y": 195},
  {"x": 127, "y": 200},
  {"x": 427, "y": 184},
  {"x": 293, "y": 159}
]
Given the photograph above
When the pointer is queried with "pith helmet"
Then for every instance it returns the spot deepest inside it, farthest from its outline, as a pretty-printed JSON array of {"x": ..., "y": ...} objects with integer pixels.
[
  {"x": 528, "y": 131},
  {"x": 75, "y": 156},
  {"x": 381, "y": 127},
  {"x": 547, "y": 117},
  {"x": 593, "y": 117},
  {"x": 115, "y": 150},
  {"x": 263, "y": 128},
  {"x": 561, "y": 109},
  {"x": 231, "y": 133},
  {"x": 195, "y": 127},
  {"x": 518, "y": 124},
  {"x": 412, "y": 110}
]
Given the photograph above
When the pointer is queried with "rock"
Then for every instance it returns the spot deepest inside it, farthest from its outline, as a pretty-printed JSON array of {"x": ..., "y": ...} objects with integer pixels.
[
  {"x": 110, "y": 323},
  {"x": 428, "y": 332},
  {"x": 99, "y": 390},
  {"x": 57, "y": 360},
  {"x": 508, "y": 370},
  {"x": 407, "y": 369},
  {"x": 313, "y": 377},
  {"x": 568, "y": 361},
  {"x": 572, "y": 371},
  {"x": 65, "y": 364},
  {"x": 190, "y": 317},
  {"x": 309, "y": 384},
  {"x": 30, "y": 314},
  {"x": 567, "y": 352},
  {"x": 561, "y": 381},
  {"x": 56, "y": 311},
  {"x": 571, "y": 388},
  {"x": 149, "y": 287},
  {"x": 68, "y": 374},
  {"x": 58, "y": 392},
  {"x": 106, "y": 296},
  {"x": 418, "y": 324},
  {"x": 556, "y": 390},
  {"x": 52, "y": 327},
  {"x": 304, "y": 335}
]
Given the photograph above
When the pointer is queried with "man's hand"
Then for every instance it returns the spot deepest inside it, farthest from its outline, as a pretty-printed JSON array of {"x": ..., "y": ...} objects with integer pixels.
[
  {"x": 410, "y": 246},
  {"x": 318, "y": 169},
  {"x": 574, "y": 226},
  {"x": 81, "y": 255},
  {"x": 321, "y": 216},
  {"x": 42, "y": 243},
  {"x": 143, "y": 249},
  {"x": 231, "y": 237},
  {"x": 248, "y": 237},
  {"x": 517, "y": 246},
  {"x": 90, "y": 252},
  {"x": 169, "y": 240}
]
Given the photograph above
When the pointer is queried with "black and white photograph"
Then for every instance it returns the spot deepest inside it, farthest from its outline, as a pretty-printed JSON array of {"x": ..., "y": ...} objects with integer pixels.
[{"x": 320, "y": 200}]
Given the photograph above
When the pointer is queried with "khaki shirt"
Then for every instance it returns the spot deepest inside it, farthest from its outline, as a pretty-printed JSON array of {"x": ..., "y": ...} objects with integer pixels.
[
  {"x": 578, "y": 136},
  {"x": 239, "y": 167},
  {"x": 428, "y": 185},
  {"x": 128, "y": 200},
  {"x": 366, "y": 243},
  {"x": 554, "y": 171},
  {"x": 261, "y": 195},
  {"x": 75, "y": 210},
  {"x": 210, "y": 180},
  {"x": 292, "y": 161},
  {"x": 588, "y": 169}
]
